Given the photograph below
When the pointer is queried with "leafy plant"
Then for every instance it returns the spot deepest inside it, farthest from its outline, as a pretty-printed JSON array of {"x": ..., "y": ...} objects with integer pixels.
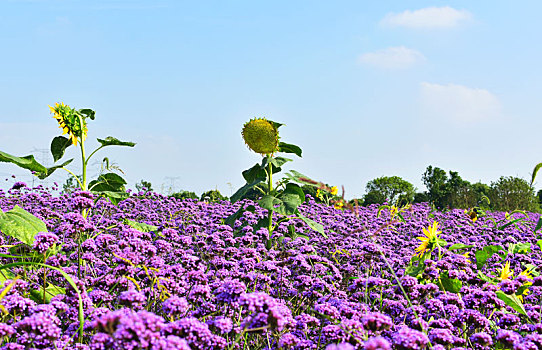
[
  {"x": 74, "y": 123},
  {"x": 261, "y": 136}
]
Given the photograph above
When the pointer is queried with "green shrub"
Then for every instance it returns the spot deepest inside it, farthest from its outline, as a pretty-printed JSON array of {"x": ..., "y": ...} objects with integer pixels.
[
  {"x": 212, "y": 196},
  {"x": 184, "y": 195}
]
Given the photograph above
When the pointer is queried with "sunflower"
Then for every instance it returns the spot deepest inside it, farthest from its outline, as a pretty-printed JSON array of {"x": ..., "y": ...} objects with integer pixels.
[
  {"x": 334, "y": 190},
  {"x": 505, "y": 272},
  {"x": 261, "y": 136},
  {"x": 430, "y": 239},
  {"x": 70, "y": 122}
]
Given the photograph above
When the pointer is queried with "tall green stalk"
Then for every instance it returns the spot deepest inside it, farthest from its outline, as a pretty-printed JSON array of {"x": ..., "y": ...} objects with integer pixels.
[{"x": 270, "y": 212}]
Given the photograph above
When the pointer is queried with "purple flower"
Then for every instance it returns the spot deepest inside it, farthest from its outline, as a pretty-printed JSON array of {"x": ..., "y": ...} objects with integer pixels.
[
  {"x": 133, "y": 299},
  {"x": 409, "y": 339},
  {"x": 40, "y": 329},
  {"x": 43, "y": 241},
  {"x": 377, "y": 343},
  {"x": 341, "y": 346},
  {"x": 175, "y": 306}
]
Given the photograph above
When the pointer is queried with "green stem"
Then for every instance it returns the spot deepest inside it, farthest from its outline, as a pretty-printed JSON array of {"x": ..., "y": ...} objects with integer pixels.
[
  {"x": 270, "y": 189},
  {"x": 74, "y": 176}
]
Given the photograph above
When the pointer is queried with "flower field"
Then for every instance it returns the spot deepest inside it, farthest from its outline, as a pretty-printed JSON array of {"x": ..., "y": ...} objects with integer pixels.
[{"x": 158, "y": 273}]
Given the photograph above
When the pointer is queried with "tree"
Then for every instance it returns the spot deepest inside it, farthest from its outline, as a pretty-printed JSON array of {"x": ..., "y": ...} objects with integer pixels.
[
  {"x": 143, "y": 185},
  {"x": 513, "y": 193},
  {"x": 184, "y": 195},
  {"x": 391, "y": 189},
  {"x": 212, "y": 196},
  {"x": 435, "y": 181},
  {"x": 71, "y": 184}
]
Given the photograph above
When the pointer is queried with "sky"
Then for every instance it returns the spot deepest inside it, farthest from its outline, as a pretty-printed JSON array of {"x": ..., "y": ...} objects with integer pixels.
[{"x": 365, "y": 88}]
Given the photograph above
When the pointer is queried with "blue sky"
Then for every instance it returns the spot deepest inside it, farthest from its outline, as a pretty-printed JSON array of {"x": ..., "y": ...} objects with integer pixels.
[{"x": 366, "y": 88}]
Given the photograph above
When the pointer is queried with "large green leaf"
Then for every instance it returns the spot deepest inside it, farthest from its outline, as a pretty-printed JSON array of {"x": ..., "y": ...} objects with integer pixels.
[
  {"x": 52, "y": 169},
  {"x": 486, "y": 253},
  {"x": 519, "y": 248},
  {"x": 289, "y": 148},
  {"x": 539, "y": 243},
  {"x": 312, "y": 224},
  {"x": 254, "y": 173},
  {"x": 50, "y": 292},
  {"x": 58, "y": 147},
  {"x": 243, "y": 190},
  {"x": 114, "y": 197},
  {"x": 459, "y": 246},
  {"x": 294, "y": 189},
  {"x": 111, "y": 141},
  {"x": 450, "y": 284},
  {"x": 21, "y": 225},
  {"x": 140, "y": 226},
  {"x": 27, "y": 162},
  {"x": 538, "y": 224},
  {"x": 87, "y": 112},
  {"x": 109, "y": 182},
  {"x": 302, "y": 179},
  {"x": 512, "y": 301}
]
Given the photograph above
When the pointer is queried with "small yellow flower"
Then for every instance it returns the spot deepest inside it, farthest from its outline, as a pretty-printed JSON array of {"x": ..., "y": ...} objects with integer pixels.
[
  {"x": 334, "y": 190},
  {"x": 393, "y": 211},
  {"x": 430, "y": 239},
  {"x": 70, "y": 122},
  {"x": 339, "y": 205},
  {"x": 505, "y": 272},
  {"x": 466, "y": 255}
]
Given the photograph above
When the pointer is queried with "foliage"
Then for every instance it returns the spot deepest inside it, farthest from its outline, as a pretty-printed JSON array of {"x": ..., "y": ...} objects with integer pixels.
[
  {"x": 71, "y": 184},
  {"x": 74, "y": 123},
  {"x": 184, "y": 195},
  {"x": 212, "y": 196},
  {"x": 390, "y": 189},
  {"x": 513, "y": 193},
  {"x": 144, "y": 185}
]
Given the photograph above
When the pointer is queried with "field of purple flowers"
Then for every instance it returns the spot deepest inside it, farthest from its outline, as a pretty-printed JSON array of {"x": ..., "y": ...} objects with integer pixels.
[{"x": 185, "y": 280}]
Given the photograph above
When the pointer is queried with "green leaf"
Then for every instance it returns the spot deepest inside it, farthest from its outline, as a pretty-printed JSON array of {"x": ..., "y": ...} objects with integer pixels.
[
  {"x": 240, "y": 194},
  {"x": 532, "y": 269},
  {"x": 535, "y": 171},
  {"x": 50, "y": 292},
  {"x": 450, "y": 284},
  {"x": 58, "y": 147},
  {"x": 111, "y": 141},
  {"x": 275, "y": 124},
  {"x": 459, "y": 246},
  {"x": 538, "y": 224},
  {"x": 485, "y": 277},
  {"x": 521, "y": 248},
  {"x": 510, "y": 223},
  {"x": 254, "y": 173},
  {"x": 486, "y": 253},
  {"x": 512, "y": 301},
  {"x": 88, "y": 113},
  {"x": 539, "y": 243},
  {"x": 21, "y": 225},
  {"x": 109, "y": 182},
  {"x": 52, "y": 169},
  {"x": 302, "y": 179},
  {"x": 27, "y": 162},
  {"x": 289, "y": 148},
  {"x": 230, "y": 220},
  {"x": 294, "y": 189},
  {"x": 280, "y": 161},
  {"x": 114, "y": 197},
  {"x": 140, "y": 226},
  {"x": 415, "y": 270},
  {"x": 312, "y": 224}
]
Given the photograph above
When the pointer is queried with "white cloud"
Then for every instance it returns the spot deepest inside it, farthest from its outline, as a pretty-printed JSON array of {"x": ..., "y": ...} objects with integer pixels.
[
  {"x": 458, "y": 103},
  {"x": 392, "y": 58},
  {"x": 429, "y": 17}
]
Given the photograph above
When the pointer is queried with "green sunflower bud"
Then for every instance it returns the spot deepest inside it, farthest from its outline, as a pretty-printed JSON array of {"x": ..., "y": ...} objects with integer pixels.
[{"x": 261, "y": 136}]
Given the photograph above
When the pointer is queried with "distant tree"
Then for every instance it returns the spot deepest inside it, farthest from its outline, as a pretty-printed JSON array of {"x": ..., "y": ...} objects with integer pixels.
[
  {"x": 539, "y": 195},
  {"x": 143, "y": 184},
  {"x": 421, "y": 197},
  {"x": 512, "y": 193},
  {"x": 481, "y": 195},
  {"x": 458, "y": 192},
  {"x": 71, "y": 184},
  {"x": 213, "y": 196},
  {"x": 434, "y": 180},
  {"x": 391, "y": 189},
  {"x": 184, "y": 195}
]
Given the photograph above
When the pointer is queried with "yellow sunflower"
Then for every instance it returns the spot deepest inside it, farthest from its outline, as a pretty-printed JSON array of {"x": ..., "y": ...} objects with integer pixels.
[
  {"x": 70, "y": 122},
  {"x": 430, "y": 239},
  {"x": 505, "y": 272},
  {"x": 334, "y": 190}
]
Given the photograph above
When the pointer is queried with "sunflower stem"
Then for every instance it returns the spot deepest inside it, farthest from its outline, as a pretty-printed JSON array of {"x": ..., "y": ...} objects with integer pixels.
[{"x": 270, "y": 184}]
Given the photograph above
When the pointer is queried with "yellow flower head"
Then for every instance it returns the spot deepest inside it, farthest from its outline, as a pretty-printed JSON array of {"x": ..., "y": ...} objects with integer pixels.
[
  {"x": 526, "y": 273},
  {"x": 505, "y": 272},
  {"x": 70, "y": 122},
  {"x": 261, "y": 136},
  {"x": 334, "y": 190},
  {"x": 394, "y": 211},
  {"x": 430, "y": 239},
  {"x": 473, "y": 215},
  {"x": 466, "y": 255},
  {"x": 339, "y": 205}
]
